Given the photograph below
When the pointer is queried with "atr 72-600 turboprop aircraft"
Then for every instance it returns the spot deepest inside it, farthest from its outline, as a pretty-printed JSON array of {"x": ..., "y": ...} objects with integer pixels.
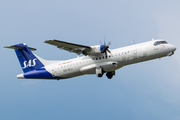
[{"x": 97, "y": 60}]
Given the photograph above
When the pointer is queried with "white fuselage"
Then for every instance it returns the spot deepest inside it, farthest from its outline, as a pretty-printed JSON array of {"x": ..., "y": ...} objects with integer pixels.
[{"x": 117, "y": 59}]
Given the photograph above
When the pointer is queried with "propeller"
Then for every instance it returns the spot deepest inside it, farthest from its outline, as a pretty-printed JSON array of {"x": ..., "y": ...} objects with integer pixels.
[{"x": 105, "y": 48}]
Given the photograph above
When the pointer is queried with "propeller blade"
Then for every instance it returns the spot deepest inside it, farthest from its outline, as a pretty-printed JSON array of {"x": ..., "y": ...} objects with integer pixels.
[
  {"x": 108, "y": 50},
  {"x": 109, "y": 43},
  {"x": 104, "y": 40},
  {"x": 101, "y": 42},
  {"x": 106, "y": 54},
  {"x": 105, "y": 48}
]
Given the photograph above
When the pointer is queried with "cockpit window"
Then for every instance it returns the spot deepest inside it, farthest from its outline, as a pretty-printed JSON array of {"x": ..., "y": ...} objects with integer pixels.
[{"x": 160, "y": 42}]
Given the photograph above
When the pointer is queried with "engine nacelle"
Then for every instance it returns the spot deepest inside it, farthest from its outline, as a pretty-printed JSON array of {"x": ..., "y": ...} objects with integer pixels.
[{"x": 95, "y": 50}]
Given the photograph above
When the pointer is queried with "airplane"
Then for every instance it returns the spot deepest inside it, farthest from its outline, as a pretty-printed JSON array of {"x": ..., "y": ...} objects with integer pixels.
[{"x": 98, "y": 59}]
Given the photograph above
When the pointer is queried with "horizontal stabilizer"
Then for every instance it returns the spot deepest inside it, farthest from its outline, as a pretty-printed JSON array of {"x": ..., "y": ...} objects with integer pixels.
[{"x": 19, "y": 47}]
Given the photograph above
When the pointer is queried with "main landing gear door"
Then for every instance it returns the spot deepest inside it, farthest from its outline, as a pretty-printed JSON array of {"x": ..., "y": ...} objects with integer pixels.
[{"x": 99, "y": 72}]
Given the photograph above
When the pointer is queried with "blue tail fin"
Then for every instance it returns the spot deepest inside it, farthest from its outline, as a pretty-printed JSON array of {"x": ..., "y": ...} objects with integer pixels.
[{"x": 27, "y": 59}]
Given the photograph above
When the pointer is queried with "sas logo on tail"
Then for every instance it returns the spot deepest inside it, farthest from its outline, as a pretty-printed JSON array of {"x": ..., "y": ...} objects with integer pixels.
[{"x": 29, "y": 63}]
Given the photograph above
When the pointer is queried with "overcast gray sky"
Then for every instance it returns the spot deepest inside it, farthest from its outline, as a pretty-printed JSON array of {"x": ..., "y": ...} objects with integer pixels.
[{"x": 148, "y": 90}]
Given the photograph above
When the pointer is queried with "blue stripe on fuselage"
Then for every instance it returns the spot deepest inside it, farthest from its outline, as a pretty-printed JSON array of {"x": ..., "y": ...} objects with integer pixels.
[{"x": 40, "y": 73}]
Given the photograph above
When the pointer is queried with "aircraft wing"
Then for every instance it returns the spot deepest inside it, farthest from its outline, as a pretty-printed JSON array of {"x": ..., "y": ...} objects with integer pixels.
[{"x": 71, "y": 47}]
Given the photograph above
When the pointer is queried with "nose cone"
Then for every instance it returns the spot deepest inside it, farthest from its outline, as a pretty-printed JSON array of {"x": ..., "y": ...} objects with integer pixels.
[{"x": 173, "y": 48}]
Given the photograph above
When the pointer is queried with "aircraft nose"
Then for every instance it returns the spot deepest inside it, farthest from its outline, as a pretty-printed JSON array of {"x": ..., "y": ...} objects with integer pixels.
[{"x": 173, "y": 48}]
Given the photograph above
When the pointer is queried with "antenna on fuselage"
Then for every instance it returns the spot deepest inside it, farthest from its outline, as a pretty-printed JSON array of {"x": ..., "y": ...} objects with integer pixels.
[
  {"x": 134, "y": 40},
  {"x": 152, "y": 39}
]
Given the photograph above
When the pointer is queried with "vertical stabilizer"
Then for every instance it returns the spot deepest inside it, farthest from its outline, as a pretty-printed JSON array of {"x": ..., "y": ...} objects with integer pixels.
[{"x": 27, "y": 59}]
